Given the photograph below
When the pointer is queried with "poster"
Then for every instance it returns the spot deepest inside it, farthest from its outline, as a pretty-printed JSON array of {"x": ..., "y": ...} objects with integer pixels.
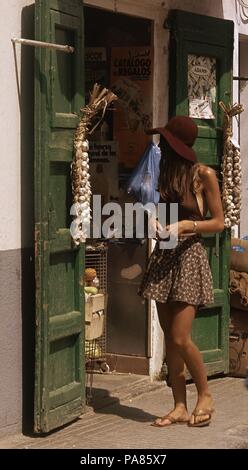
[
  {"x": 201, "y": 86},
  {"x": 132, "y": 82},
  {"x": 104, "y": 169},
  {"x": 95, "y": 68}
]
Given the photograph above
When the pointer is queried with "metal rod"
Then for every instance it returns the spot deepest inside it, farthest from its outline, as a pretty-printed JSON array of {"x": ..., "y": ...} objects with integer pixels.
[
  {"x": 30, "y": 42},
  {"x": 240, "y": 78}
]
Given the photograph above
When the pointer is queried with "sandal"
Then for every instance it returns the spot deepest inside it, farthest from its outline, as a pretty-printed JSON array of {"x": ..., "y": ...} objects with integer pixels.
[
  {"x": 171, "y": 419},
  {"x": 208, "y": 412}
]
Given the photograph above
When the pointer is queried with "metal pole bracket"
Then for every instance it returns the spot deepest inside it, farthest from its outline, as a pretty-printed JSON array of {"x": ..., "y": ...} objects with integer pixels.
[{"x": 29, "y": 42}]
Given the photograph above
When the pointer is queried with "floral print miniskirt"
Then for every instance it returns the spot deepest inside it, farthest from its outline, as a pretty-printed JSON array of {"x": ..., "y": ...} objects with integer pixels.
[{"x": 179, "y": 274}]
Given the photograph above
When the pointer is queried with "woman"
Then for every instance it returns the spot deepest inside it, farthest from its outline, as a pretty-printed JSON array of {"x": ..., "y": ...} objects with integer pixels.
[{"x": 179, "y": 279}]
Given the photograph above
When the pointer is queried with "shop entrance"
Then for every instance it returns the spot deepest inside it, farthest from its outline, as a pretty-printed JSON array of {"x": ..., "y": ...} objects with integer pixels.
[{"x": 119, "y": 55}]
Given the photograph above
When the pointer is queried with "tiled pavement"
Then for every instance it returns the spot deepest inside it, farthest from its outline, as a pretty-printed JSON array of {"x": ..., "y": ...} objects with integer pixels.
[{"x": 125, "y": 422}]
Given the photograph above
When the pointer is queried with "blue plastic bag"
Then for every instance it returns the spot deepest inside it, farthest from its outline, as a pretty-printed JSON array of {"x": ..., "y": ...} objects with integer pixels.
[
  {"x": 238, "y": 248},
  {"x": 143, "y": 182}
]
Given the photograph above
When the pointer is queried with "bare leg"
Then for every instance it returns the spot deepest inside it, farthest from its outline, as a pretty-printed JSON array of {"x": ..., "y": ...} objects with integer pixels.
[
  {"x": 180, "y": 334},
  {"x": 175, "y": 364}
]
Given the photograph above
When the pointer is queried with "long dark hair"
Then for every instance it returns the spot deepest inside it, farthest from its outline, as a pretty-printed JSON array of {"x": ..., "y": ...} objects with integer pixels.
[{"x": 176, "y": 174}]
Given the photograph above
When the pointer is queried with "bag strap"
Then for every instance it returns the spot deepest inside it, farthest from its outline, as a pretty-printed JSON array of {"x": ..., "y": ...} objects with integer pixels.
[
  {"x": 200, "y": 202},
  {"x": 198, "y": 189}
]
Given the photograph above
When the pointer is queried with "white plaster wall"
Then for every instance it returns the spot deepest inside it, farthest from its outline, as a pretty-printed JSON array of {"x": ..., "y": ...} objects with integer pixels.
[
  {"x": 10, "y": 190},
  {"x": 160, "y": 114}
]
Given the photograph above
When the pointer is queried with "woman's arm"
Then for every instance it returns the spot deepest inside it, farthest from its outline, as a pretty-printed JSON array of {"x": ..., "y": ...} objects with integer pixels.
[{"x": 212, "y": 192}]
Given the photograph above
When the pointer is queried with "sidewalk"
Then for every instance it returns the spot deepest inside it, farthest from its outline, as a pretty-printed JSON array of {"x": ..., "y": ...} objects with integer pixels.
[{"x": 125, "y": 423}]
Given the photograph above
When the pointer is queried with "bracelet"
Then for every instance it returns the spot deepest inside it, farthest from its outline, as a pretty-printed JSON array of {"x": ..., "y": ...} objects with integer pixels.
[{"x": 195, "y": 226}]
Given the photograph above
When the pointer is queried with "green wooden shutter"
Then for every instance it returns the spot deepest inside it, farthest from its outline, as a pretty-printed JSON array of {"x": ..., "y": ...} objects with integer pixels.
[
  {"x": 59, "y": 94},
  {"x": 209, "y": 37}
]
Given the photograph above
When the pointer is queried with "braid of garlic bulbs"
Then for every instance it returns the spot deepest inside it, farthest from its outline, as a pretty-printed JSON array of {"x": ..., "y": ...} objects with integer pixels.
[
  {"x": 231, "y": 169},
  {"x": 80, "y": 177},
  {"x": 81, "y": 190}
]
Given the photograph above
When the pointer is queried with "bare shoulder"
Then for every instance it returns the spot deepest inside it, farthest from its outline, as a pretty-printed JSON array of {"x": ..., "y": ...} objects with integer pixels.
[
  {"x": 206, "y": 172},
  {"x": 207, "y": 176}
]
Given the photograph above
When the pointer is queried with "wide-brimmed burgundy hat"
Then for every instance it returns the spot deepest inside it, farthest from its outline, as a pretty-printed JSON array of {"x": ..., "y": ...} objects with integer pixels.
[{"x": 180, "y": 133}]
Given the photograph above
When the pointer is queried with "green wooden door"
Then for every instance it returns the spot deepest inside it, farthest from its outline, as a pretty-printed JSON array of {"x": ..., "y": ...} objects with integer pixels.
[
  {"x": 59, "y": 94},
  {"x": 201, "y": 36}
]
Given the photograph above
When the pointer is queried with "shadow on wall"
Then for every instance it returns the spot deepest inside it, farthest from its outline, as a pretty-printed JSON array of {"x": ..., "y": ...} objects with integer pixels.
[{"x": 27, "y": 217}]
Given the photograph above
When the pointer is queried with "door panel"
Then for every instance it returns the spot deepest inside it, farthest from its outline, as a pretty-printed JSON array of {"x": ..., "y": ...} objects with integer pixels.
[
  {"x": 59, "y": 95},
  {"x": 66, "y": 70},
  {"x": 209, "y": 37}
]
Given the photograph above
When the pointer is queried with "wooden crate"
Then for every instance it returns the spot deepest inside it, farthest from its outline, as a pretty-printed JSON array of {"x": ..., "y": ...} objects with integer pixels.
[
  {"x": 95, "y": 328},
  {"x": 94, "y": 303}
]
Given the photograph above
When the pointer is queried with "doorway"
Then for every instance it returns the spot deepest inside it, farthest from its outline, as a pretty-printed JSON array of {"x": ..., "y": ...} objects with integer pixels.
[
  {"x": 113, "y": 43},
  {"x": 59, "y": 266}
]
